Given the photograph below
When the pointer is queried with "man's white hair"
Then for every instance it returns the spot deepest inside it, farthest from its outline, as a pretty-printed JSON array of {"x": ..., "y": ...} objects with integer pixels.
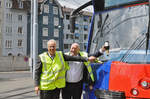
[
  {"x": 51, "y": 40},
  {"x": 76, "y": 44}
]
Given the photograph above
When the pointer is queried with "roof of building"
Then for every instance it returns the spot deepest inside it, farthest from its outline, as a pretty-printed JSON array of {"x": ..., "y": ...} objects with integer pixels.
[
  {"x": 40, "y": 0},
  {"x": 26, "y": 5},
  {"x": 86, "y": 13},
  {"x": 73, "y": 4},
  {"x": 56, "y": 2}
]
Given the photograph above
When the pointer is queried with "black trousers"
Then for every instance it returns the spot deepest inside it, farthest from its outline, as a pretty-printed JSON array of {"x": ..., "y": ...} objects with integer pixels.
[
  {"x": 50, "y": 94},
  {"x": 73, "y": 90}
]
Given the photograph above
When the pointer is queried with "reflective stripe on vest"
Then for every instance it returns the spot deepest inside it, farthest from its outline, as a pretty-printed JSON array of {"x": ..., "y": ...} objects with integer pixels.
[
  {"x": 89, "y": 68},
  {"x": 44, "y": 63},
  {"x": 59, "y": 53},
  {"x": 88, "y": 65},
  {"x": 60, "y": 57},
  {"x": 51, "y": 77},
  {"x": 49, "y": 81}
]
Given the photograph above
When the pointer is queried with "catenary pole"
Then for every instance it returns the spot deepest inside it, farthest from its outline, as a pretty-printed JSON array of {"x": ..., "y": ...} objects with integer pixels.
[
  {"x": 31, "y": 40},
  {"x": 35, "y": 35}
]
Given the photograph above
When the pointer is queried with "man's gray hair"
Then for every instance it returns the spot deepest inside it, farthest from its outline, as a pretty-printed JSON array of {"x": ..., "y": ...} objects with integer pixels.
[
  {"x": 76, "y": 44},
  {"x": 51, "y": 40}
]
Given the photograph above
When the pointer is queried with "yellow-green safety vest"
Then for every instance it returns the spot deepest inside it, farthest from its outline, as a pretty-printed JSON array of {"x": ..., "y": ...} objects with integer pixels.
[
  {"x": 87, "y": 64},
  {"x": 53, "y": 71}
]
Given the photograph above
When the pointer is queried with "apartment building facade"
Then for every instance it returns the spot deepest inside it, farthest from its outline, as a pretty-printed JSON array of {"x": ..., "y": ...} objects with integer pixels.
[
  {"x": 1, "y": 19},
  {"x": 13, "y": 34},
  {"x": 50, "y": 24},
  {"x": 14, "y": 28},
  {"x": 82, "y": 26}
]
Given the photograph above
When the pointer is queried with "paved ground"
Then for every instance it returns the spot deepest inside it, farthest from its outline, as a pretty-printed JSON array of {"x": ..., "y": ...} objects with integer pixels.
[{"x": 17, "y": 85}]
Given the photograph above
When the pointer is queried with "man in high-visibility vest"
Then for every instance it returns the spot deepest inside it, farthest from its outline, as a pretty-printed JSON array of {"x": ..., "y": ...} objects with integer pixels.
[
  {"x": 50, "y": 71},
  {"x": 78, "y": 73}
]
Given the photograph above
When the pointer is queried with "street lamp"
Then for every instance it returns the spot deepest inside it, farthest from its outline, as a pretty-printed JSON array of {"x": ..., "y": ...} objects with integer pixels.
[{"x": 34, "y": 34}]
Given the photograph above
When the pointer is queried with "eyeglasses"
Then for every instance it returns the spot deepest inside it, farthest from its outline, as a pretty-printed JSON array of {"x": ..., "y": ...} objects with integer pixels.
[{"x": 51, "y": 46}]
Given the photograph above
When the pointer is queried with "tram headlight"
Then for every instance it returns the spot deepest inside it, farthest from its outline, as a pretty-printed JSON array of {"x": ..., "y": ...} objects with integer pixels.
[
  {"x": 134, "y": 92},
  {"x": 144, "y": 84}
]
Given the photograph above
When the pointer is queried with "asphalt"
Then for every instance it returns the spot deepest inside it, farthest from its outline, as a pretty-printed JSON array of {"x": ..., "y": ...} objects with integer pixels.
[{"x": 17, "y": 85}]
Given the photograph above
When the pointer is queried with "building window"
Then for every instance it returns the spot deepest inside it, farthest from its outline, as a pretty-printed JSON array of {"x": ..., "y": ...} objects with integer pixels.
[
  {"x": 46, "y": 9},
  {"x": 45, "y": 20},
  {"x": 19, "y": 17},
  {"x": 8, "y": 29},
  {"x": 9, "y": 54},
  {"x": 55, "y": 10},
  {"x": 8, "y": 4},
  {"x": 67, "y": 36},
  {"x": 57, "y": 44},
  {"x": 19, "y": 43},
  {"x": 20, "y": 30},
  {"x": 85, "y": 45},
  {"x": 67, "y": 17},
  {"x": 20, "y": 4},
  {"x": 71, "y": 36},
  {"x": 85, "y": 18},
  {"x": 85, "y": 27},
  {"x": 45, "y": 32},
  {"x": 68, "y": 26},
  {"x": 85, "y": 36},
  {"x": 0, "y": 4},
  {"x": 77, "y": 36},
  {"x": 19, "y": 54},
  {"x": 65, "y": 46},
  {"x": 8, "y": 44},
  {"x": 56, "y": 32},
  {"x": 76, "y": 26},
  {"x": 56, "y": 21},
  {"x": 45, "y": 43},
  {"x": 9, "y": 16}
]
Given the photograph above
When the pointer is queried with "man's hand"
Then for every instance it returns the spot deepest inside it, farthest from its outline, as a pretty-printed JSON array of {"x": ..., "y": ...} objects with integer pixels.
[
  {"x": 103, "y": 49},
  {"x": 90, "y": 87},
  {"x": 37, "y": 89},
  {"x": 91, "y": 58}
]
